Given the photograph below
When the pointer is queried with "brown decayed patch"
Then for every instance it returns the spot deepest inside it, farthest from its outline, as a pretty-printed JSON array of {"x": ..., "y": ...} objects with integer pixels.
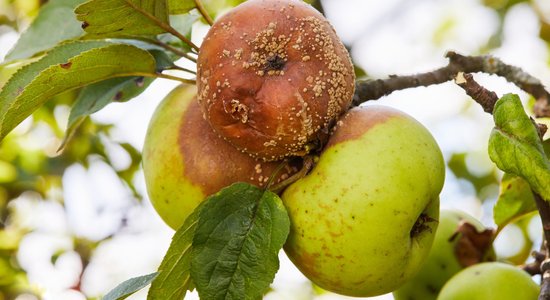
[
  {"x": 212, "y": 163},
  {"x": 283, "y": 64},
  {"x": 359, "y": 120},
  {"x": 472, "y": 245},
  {"x": 307, "y": 262}
]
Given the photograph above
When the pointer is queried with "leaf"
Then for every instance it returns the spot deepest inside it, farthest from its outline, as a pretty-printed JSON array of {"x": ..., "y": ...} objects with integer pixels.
[
  {"x": 213, "y": 7},
  {"x": 130, "y": 286},
  {"x": 96, "y": 96},
  {"x": 66, "y": 67},
  {"x": 515, "y": 147},
  {"x": 180, "y": 6},
  {"x": 39, "y": 36},
  {"x": 239, "y": 234},
  {"x": 184, "y": 25},
  {"x": 174, "y": 279},
  {"x": 115, "y": 18},
  {"x": 515, "y": 200}
]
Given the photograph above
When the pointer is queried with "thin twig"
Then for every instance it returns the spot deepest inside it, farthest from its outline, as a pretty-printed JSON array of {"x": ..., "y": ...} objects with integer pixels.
[
  {"x": 163, "y": 25},
  {"x": 172, "y": 49},
  {"x": 165, "y": 76},
  {"x": 203, "y": 12},
  {"x": 544, "y": 211},
  {"x": 374, "y": 89},
  {"x": 481, "y": 95},
  {"x": 176, "y": 67},
  {"x": 533, "y": 268},
  {"x": 545, "y": 284}
]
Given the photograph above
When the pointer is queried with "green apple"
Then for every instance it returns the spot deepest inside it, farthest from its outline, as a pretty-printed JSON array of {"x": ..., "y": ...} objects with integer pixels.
[
  {"x": 364, "y": 219},
  {"x": 184, "y": 161},
  {"x": 442, "y": 262},
  {"x": 490, "y": 281}
]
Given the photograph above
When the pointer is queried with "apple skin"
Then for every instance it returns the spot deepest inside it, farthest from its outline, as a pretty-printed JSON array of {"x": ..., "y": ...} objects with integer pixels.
[
  {"x": 364, "y": 219},
  {"x": 184, "y": 160},
  {"x": 490, "y": 281},
  {"x": 442, "y": 262},
  {"x": 272, "y": 75}
]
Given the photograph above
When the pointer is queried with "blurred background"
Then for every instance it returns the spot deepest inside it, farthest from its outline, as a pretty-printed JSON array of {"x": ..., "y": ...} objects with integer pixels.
[{"x": 75, "y": 224}]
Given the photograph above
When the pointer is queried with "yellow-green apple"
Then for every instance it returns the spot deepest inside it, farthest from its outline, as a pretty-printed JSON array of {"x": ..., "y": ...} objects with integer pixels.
[
  {"x": 184, "y": 161},
  {"x": 272, "y": 76},
  {"x": 454, "y": 248},
  {"x": 364, "y": 219},
  {"x": 490, "y": 281}
]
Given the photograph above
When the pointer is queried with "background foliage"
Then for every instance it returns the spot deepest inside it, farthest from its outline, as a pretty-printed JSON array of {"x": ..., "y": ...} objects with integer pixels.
[{"x": 61, "y": 239}]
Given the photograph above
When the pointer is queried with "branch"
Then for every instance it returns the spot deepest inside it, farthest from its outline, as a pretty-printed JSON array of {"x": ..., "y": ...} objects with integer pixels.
[
  {"x": 545, "y": 284},
  {"x": 487, "y": 99},
  {"x": 544, "y": 211},
  {"x": 374, "y": 89},
  {"x": 481, "y": 95},
  {"x": 533, "y": 268}
]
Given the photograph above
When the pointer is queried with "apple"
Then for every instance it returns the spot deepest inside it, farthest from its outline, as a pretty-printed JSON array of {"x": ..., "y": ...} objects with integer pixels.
[
  {"x": 447, "y": 257},
  {"x": 184, "y": 160},
  {"x": 490, "y": 281},
  {"x": 364, "y": 219},
  {"x": 272, "y": 77}
]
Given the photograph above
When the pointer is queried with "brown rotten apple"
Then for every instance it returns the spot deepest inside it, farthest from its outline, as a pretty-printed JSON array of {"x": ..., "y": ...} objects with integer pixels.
[
  {"x": 184, "y": 160},
  {"x": 272, "y": 76}
]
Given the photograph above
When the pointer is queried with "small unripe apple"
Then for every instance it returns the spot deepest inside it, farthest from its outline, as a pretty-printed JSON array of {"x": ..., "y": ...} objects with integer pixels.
[
  {"x": 272, "y": 76},
  {"x": 364, "y": 219},
  {"x": 490, "y": 281},
  {"x": 185, "y": 161},
  {"x": 449, "y": 254}
]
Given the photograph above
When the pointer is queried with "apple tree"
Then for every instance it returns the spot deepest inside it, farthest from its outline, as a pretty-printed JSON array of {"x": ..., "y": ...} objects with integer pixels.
[{"x": 273, "y": 142}]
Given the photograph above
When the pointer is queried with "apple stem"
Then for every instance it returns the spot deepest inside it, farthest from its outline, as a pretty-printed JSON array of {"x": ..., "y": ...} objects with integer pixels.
[
  {"x": 307, "y": 164},
  {"x": 370, "y": 89}
]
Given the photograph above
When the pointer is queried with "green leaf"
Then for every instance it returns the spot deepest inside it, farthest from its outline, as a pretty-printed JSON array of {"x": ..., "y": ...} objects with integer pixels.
[
  {"x": 239, "y": 234},
  {"x": 96, "y": 96},
  {"x": 174, "y": 278},
  {"x": 213, "y": 7},
  {"x": 180, "y": 6},
  {"x": 64, "y": 68},
  {"x": 184, "y": 25},
  {"x": 514, "y": 201},
  {"x": 130, "y": 286},
  {"x": 515, "y": 146},
  {"x": 39, "y": 36},
  {"x": 115, "y": 18}
]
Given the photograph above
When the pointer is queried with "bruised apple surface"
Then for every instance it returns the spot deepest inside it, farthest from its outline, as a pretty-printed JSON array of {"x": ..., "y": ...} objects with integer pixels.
[
  {"x": 185, "y": 161},
  {"x": 272, "y": 77},
  {"x": 364, "y": 219}
]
